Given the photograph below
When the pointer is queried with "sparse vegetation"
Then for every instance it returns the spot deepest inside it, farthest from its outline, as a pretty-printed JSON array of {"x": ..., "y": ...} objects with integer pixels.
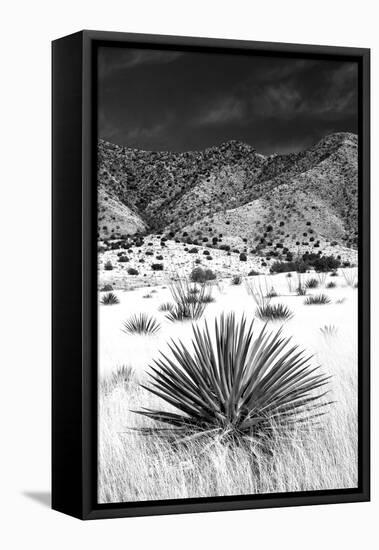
[
  {"x": 109, "y": 299},
  {"x": 141, "y": 324},
  {"x": 200, "y": 275},
  {"x": 274, "y": 312},
  {"x": 311, "y": 283},
  {"x": 317, "y": 300}
]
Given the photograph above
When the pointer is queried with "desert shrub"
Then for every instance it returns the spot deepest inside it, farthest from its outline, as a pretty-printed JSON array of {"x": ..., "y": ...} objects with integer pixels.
[
  {"x": 331, "y": 284},
  {"x": 108, "y": 266},
  {"x": 311, "y": 283},
  {"x": 193, "y": 250},
  {"x": 326, "y": 263},
  {"x": 109, "y": 299},
  {"x": 284, "y": 267},
  {"x": 236, "y": 280},
  {"x": 159, "y": 257},
  {"x": 253, "y": 273},
  {"x": 209, "y": 258},
  {"x": 317, "y": 300},
  {"x": 141, "y": 323},
  {"x": 334, "y": 274},
  {"x": 132, "y": 271},
  {"x": 200, "y": 275},
  {"x": 157, "y": 267},
  {"x": 235, "y": 383},
  {"x": 106, "y": 288},
  {"x": 274, "y": 312},
  {"x": 123, "y": 259},
  {"x": 243, "y": 257},
  {"x": 206, "y": 252}
]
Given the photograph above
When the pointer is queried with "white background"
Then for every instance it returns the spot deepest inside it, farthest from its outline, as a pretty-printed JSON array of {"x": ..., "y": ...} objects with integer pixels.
[{"x": 26, "y": 31}]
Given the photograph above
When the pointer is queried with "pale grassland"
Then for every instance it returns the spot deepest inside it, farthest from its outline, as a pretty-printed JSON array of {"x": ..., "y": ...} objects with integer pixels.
[{"x": 135, "y": 467}]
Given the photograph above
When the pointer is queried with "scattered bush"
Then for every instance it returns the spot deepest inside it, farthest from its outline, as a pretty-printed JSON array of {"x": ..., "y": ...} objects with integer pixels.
[
  {"x": 159, "y": 257},
  {"x": 317, "y": 300},
  {"x": 274, "y": 312},
  {"x": 253, "y": 273},
  {"x": 108, "y": 266},
  {"x": 157, "y": 267},
  {"x": 187, "y": 305},
  {"x": 123, "y": 259},
  {"x": 236, "y": 280},
  {"x": 166, "y": 306},
  {"x": 200, "y": 275},
  {"x": 193, "y": 250},
  {"x": 106, "y": 288},
  {"x": 109, "y": 299},
  {"x": 331, "y": 284},
  {"x": 141, "y": 324},
  {"x": 311, "y": 283},
  {"x": 132, "y": 271},
  {"x": 243, "y": 257}
]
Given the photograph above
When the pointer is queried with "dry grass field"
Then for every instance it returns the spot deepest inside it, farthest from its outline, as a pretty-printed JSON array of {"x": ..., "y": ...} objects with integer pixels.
[{"x": 314, "y": 455}]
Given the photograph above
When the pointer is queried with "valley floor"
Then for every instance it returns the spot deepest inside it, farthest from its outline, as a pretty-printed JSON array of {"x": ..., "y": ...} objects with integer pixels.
[{"x": 137, "y": 467}]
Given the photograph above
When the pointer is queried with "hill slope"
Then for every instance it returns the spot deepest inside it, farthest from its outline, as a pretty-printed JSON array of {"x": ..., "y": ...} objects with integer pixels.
[{"x": 265, "y": 205}]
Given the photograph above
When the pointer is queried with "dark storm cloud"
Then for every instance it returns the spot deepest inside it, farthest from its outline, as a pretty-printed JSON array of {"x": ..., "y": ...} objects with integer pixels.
[{"x": 156, "y": 99}]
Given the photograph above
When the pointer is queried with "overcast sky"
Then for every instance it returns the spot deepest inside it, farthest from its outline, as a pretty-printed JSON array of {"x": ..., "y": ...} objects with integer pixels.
[{"x": 183, "y": 101}]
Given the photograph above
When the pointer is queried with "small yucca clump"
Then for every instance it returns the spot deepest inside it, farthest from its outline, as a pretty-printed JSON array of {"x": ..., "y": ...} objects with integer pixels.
[
  {"x": 188, "y": 305},
  {"x": 274, "y": 312},
  {"x": 317, "y": 300},
  {"x": 311, "y": 283},
  {"x": 236, "y": 280},
  {"x": 122, "y": 377},
  {"x": 167, "y": 306},
  {"x": 329, "y": 331},
  {"x": 331, "y": 284},
  {"x": 235, "y": 384},
  {"x": 141, "y": 324},
  {"x": 109, "y": 299}
]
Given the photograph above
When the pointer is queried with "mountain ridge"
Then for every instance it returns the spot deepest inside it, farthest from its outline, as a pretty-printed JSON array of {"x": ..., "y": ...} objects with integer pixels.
[{"x": 314, "y": 191}]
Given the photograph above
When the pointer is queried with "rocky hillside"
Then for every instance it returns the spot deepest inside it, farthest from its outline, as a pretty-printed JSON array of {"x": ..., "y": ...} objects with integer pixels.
[{"x": 233, "y": 196}]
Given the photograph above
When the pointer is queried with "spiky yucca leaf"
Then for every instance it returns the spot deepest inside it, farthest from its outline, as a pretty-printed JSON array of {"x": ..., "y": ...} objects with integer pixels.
[
  {"x": 166, "y": 306},
  {"x": 141, "y": 324},
  {"x": 109, "y": 299},
  {"x": 235, "y": 383}
]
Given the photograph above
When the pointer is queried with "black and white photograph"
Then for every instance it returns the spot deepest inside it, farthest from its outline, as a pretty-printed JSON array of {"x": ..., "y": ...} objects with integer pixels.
[{"x": 227, "y": 231}]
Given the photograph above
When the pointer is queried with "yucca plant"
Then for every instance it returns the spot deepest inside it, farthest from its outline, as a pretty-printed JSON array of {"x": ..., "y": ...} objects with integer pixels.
[
  {"x": 311, "y": 283},
  {"x": 274, "y": 312},
  {"x": 187, "y": 305},
  {"x": 122, "y": 377},
  {"x": 331, "y": 284},
  {"x": 329, "y": 331},
  {"x": 141, "y": 324},
  {"x": 166, "y": 306},
  {"x": 350, "y": 277},
  {"x": 235, "y": 384},
  {"x": 236, "y": 280},
  {"x": 317, "y": 300},
  {"x": 109, "y": 299}
]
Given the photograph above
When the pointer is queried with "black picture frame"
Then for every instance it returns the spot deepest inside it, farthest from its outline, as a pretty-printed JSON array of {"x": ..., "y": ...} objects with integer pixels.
[{"x": 74, "y": 302}]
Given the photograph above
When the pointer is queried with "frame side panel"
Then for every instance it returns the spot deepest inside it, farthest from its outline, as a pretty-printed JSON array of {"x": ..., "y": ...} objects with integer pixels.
[{"x": 67, "y": 275}]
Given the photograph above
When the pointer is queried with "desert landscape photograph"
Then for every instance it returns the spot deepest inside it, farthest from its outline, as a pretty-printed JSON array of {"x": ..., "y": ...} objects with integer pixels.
[{"x": 227, "y": 251}]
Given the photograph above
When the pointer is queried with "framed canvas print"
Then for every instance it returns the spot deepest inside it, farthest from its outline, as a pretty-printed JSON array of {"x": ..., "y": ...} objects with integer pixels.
[{"x": 210, "y": 275}]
